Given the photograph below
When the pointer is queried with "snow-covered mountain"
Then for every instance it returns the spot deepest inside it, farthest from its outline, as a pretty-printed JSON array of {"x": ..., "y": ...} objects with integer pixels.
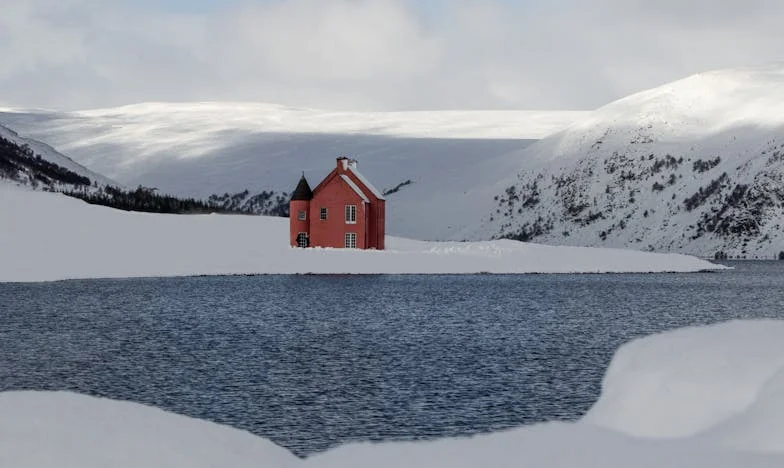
[
  {"x": 37, "y": 165},
  {"x": 696, "y": 166},
  {"x": 449, "y": 157}
]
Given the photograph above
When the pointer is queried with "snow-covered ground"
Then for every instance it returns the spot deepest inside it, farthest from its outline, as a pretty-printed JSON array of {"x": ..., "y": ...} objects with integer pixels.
[
  {"x": 721, "y": 385},
  {"x": 65, "y": 430},
  {"x": 47, "y": 236},
  {"x": 200, "y": 149},
  {"x": 699, "y": 397}
]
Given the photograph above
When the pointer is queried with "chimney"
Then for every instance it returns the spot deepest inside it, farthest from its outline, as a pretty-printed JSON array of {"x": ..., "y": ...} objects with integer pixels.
[{"x": 344, "y": 163}]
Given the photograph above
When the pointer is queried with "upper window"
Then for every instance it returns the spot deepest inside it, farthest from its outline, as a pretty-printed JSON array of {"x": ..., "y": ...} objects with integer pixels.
[
  {"x": 323, "y": 215},
  {"x": 351, "y": 214},
  {"x": 302, "y": 215},
  {"x": 351, "y": 240}
]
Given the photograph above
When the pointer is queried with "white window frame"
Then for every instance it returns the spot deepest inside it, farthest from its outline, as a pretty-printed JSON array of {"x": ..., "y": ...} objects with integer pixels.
[
  {"x": 323, "y": 213},
  {"x": 302, "y": 215},
  {"x": 350, "y": 240},
  {"x": 351, "y": 214},
  {"x": 306, "y": 237}
]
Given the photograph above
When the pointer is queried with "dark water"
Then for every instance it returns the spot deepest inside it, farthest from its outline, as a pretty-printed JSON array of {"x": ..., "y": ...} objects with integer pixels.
[{"x": 314, "y": 361}]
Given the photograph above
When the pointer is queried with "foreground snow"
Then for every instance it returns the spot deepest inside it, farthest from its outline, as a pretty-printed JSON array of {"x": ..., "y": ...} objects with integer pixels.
[
  {"x": 65, "y": 430},
  {"x": 47, "y": 236},
  {"x": 711, "y": 397},
  {"x": 722, "y": 385}
]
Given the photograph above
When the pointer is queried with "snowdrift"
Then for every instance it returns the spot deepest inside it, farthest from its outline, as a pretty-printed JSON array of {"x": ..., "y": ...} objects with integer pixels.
[
  {"x": 728, "y": 379},
  {"x": 66, "y": 430},
  {"x": 722, "y": 384},
  {"x": 47, "y": 236}
]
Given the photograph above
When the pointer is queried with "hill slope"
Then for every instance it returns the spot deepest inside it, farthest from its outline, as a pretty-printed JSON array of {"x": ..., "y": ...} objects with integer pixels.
[
  {"x": 696, "y": 166},
  {"x": 228, "y": 148},
  {"x": 31, "y": 163},
  {"x": 35, "y": 165}
]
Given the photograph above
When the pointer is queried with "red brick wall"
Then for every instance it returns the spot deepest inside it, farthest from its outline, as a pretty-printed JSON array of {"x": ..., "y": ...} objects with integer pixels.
[{"x": 334, "y": 196}]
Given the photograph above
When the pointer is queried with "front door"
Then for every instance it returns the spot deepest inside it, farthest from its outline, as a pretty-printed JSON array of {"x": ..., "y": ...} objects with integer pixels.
[{"x": 303, "y": 240}]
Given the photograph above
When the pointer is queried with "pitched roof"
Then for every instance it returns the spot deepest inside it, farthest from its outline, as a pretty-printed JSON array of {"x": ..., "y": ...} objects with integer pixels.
[
  {"x": 354, "y": 187},
  {"x": 365, "y": 182},
  {"x": 303, "y": 191}
]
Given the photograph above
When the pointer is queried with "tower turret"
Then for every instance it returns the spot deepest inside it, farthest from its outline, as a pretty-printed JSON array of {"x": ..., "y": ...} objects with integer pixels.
[{"x": 299, "y": 214}]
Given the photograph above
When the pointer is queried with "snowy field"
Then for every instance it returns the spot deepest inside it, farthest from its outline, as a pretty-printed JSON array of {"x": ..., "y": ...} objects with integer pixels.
[
  {"x": 698, "y": 397},
  {"x": 47, "y": 237}
]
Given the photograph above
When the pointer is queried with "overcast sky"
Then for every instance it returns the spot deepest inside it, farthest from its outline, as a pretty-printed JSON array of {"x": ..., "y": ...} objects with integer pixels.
[{"x": 372, "y": 54}]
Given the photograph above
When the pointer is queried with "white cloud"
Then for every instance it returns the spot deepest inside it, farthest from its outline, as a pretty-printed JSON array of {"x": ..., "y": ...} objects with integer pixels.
[{"x": 373, "y": 54}]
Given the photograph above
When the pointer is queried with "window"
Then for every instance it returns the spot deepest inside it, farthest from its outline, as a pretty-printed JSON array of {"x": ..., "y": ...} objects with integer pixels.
[
  {"x": 302, "y": 215},
  {"x": 351, "y": 214},
  {"x": 351, "y": 240},
  {"x": 302, "y": 240},
  {"x": 323, "y": 215}
]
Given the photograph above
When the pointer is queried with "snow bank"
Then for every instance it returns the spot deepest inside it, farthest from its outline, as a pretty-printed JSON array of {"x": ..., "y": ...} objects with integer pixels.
[
  {"x": 553, "y": 445},
  {"x": 727, "y": 378},
  {"x": 48, "y": 237},
  {"x": 64, "y": 430},
  {"x": 722, "y": 384}
]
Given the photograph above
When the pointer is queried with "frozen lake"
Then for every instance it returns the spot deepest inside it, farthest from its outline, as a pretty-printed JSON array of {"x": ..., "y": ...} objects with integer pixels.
[{"x": 315, "y": 361}]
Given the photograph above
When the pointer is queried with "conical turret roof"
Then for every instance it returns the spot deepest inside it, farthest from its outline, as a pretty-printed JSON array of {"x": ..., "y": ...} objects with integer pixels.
[{"x": 303, "y": 191}]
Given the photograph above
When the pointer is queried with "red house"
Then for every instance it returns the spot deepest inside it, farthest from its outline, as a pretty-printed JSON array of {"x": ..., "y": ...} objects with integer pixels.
[{"x": 343, "y": 211}]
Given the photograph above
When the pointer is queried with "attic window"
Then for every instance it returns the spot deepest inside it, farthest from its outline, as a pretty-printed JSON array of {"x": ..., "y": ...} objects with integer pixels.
[
  {"x": 302, "y": 216},
  {"x": 323, "y": 215},
  {"x": 351, "y": 214}
]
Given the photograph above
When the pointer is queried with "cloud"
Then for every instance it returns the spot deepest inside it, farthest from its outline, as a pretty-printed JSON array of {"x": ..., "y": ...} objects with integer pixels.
[{"x": 372, "y": 54}]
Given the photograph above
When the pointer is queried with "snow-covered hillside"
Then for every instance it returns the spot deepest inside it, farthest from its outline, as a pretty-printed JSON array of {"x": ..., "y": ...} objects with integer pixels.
[
  {"x": 99, "y": 242},
  {"x": 667, "y": 401},
  {"x": 31, "y": 163},
  {"x": 227, "y": 148},
  {"x": 696, "y": 166}
]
